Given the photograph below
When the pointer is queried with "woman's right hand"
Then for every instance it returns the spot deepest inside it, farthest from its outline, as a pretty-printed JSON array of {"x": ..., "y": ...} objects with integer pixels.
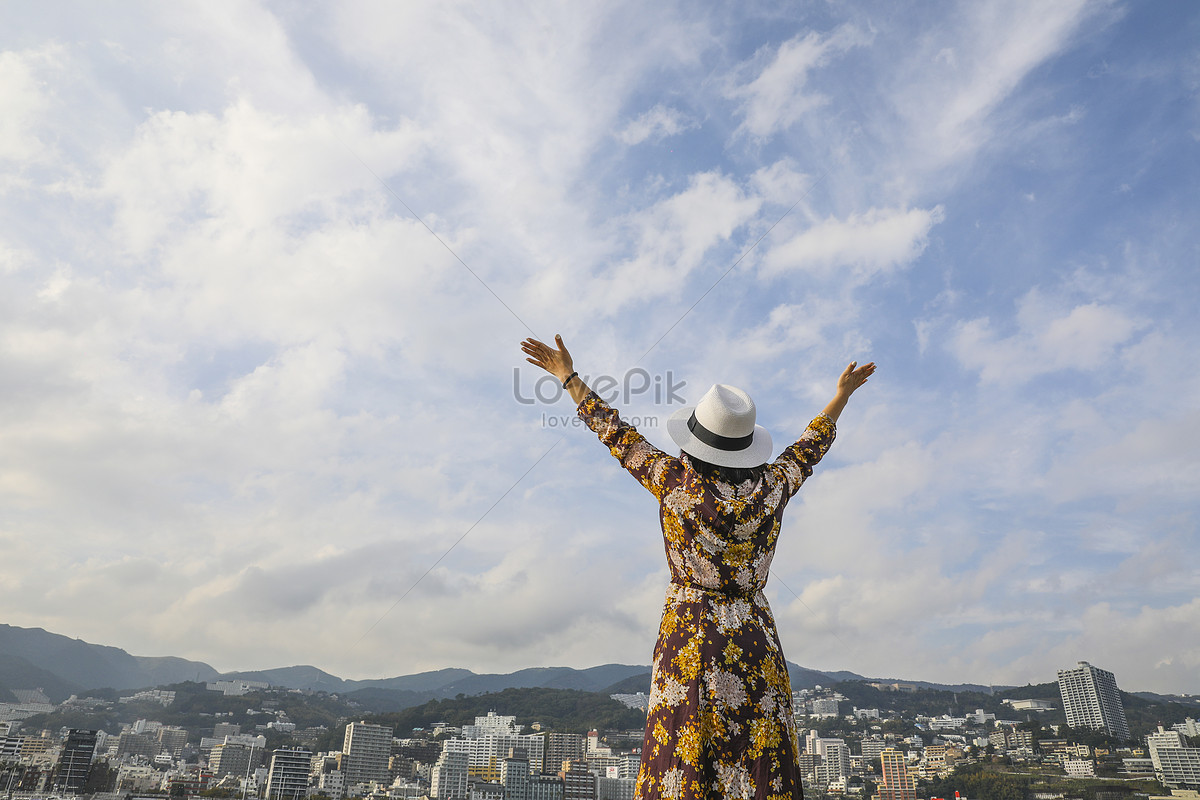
[{"x": 555, "y": 361}]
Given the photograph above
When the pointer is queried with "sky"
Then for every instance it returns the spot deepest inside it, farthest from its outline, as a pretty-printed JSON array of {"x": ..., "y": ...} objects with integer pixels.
[{"x": 265, "y": 268}]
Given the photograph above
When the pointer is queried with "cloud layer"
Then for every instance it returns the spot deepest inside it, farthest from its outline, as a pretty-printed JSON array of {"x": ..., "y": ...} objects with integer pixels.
[{"x": 263, "y": 273}]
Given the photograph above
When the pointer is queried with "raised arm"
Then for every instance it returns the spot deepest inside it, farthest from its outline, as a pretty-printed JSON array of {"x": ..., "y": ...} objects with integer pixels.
[
  {"x": 851, "y": 378},
  {"x": 797, "y": 461},
  {"x": 652, "y": 467}
]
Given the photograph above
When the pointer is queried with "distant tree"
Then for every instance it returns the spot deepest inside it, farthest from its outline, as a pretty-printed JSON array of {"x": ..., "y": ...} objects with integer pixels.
[
  {"x": 829, "y": 727},
  {"x": 566, "y": 710},
  {"x": 332, "y": 739},
  {"x": 1090, "y": 737},
  {"x": 1032, "y": 725},
  {"x": 973, "y": 781},
  {"x": 277, "y": 739}
]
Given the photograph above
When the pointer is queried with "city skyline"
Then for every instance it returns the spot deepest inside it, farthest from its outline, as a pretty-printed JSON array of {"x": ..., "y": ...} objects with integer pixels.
[
  {"x": 264, "y": 269},
  {"x": 495, "y": 759}
]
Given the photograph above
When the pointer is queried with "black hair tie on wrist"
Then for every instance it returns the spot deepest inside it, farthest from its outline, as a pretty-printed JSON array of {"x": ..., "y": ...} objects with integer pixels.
[{"x": 569, "y": 378}]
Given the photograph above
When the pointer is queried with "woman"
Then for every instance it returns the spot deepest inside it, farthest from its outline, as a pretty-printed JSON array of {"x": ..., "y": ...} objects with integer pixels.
[{"x": 720, "y": 720}]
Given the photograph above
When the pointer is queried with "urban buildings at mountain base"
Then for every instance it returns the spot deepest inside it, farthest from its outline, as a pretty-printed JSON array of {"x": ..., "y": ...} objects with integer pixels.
[{"x": 876, "y": 753}]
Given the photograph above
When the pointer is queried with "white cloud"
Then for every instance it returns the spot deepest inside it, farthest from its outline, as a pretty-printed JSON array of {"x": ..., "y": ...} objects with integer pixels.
[
  {"x": 948, "y": 103},
  {"x": 246, "y": 169},
  {"x": 863, "y": 245},
  {"x": 673, "y": 238},
  {"x": 658, "y": 123},
  {"x": 1146, "y": 458},
  {"x": 782, "y": 183},
  {"x": 238, "y": 377},
  {"x": 788, "y": 328},
  {"x": 1048, "y": 339},
  {"x": 521, "y": 98},
  {"x": 776, "y": 98},
  {"x": 23, "y": 100}
]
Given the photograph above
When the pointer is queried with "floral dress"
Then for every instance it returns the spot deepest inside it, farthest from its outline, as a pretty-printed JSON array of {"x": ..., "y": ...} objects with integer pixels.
[{"x": 720, "y": 720}]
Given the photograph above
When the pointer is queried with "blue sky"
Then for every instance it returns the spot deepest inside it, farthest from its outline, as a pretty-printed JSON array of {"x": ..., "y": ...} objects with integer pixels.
[{"x": 248, "y": 400}]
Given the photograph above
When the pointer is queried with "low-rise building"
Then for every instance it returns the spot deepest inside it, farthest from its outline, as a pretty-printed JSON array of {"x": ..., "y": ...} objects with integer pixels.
[
  {"x": 1135, "y": 767},
  {"x": 615, "y": 788},
  {"x": 825, "y": 707},
  {"x": 1189, "y": 727},
  {"x": 1029, "y": 705},
  {"x": 545, "y": 787},
  {"x": 236, "y": 688},
  {"x": 483, "y": 790},
  {"x": 137, "y": 779},
  {"x": 1175, "y": 766},
  {"x": 944, "y": 722}
]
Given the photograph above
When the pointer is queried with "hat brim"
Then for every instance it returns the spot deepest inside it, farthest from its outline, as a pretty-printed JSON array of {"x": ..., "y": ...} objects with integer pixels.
[{"x": 759, "y": 451}]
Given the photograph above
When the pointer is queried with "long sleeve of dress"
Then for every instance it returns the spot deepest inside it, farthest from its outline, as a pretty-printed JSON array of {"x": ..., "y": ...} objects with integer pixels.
[
  {"x": 643, "y": 460},
  {"x": 797, "y": 461}
]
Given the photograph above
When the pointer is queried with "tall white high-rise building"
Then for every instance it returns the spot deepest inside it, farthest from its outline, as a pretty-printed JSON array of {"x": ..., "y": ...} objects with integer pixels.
[
  {"x": 1091, "y": 699},
  {"x": 834, "y": 756},
  {"x": 448, "y": 779},
  {"x": 366, "y": 749}
]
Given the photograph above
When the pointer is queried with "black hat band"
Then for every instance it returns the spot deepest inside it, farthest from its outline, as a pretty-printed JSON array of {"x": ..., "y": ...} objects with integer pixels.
[{"x": 727, "y": 443}]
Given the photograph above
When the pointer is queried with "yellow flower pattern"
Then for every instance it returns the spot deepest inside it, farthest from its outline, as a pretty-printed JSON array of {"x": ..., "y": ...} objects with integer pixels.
[{"x": 720, "y": 720}]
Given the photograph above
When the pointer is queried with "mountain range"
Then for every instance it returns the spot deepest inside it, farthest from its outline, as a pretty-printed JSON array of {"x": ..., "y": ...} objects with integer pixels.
[{"x": 61, "y": 666}]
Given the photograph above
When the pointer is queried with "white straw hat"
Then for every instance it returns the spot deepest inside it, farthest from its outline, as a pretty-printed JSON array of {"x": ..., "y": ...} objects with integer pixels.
[{"x": 720, "y": 429}]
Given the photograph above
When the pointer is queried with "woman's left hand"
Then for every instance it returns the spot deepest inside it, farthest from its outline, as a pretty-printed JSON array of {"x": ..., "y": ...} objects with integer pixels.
[{"x": 853, "y": 377}]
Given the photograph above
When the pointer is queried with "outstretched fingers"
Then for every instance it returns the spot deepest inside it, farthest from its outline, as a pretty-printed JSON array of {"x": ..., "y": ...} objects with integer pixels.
[
  {"x": 861, "y": 374},
  {"x": 543, "y": 355},
  {"x": 537, "y": 353},
  {"x": 854, "y": 376}
]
